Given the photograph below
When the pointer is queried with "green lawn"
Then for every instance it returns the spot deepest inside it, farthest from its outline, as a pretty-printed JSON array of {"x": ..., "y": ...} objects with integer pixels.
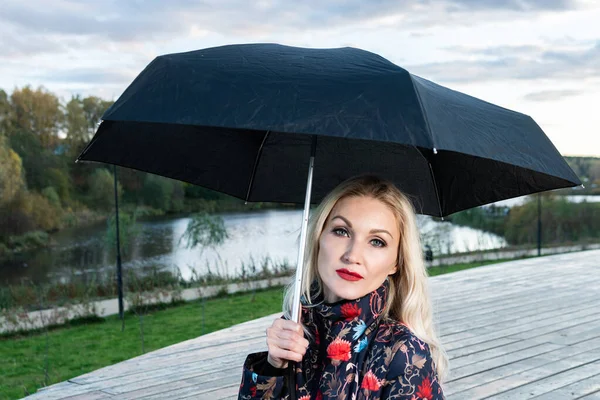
[
  {"x": 77, "y": 349},
  {"x": 446, "y": 269}
]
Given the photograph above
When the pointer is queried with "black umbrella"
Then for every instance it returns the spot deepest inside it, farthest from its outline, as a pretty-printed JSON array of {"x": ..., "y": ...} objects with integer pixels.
[{"x": 249, "y": 120}]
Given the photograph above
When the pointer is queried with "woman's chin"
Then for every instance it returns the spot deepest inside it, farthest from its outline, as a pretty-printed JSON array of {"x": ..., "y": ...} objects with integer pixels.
[{"x": 343, "y": 294}]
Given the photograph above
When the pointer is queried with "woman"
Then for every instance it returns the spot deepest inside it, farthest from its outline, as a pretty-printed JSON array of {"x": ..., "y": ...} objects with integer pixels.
[{"x": 367, "y": 328}]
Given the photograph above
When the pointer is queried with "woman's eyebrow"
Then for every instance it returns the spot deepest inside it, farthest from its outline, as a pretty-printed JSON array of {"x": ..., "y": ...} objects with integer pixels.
[
  {"x": 343, "y": 219},
  {"x": 381, "y": 231},
  {"x": 372, "y": 230}
]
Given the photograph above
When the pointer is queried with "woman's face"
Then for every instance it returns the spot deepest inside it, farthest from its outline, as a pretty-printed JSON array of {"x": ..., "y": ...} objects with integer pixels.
[{"x": 358, "y": 248}]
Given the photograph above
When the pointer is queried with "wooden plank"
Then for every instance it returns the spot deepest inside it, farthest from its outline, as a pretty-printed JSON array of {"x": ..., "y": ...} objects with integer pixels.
[
  {"x": 506, "y": 328},
  {"x": 522, "y": 348},
  {"x": 521, "y": 374},
  {"x": 550, "y": 383},
  {"x": 467, "y": 350},
  {"x": 593, "y": 396},
  {"x": 459, "y": 382},
  {"x": 515, "y": 318},
  {"x": 96, "y": 395},
  {"x": 535, "y": 328},
  {"x": 481, "y": 308},
  {"x": 575, "y": 390},
  {"x": 171, "y": 389}
]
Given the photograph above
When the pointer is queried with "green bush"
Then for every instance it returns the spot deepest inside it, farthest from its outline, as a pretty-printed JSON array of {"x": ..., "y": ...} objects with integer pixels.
[
  {"x": 61, "y": 182},
  {"x": 29, "y": 240},
  {"x": 15, "y": 217},
  {"x": 204, "y": 231},
  {"x": 177, "y": 197},
  {"x": 562, "y": 222},
  {"x": 128, "y": 229},
  {"x": 52, "y": 196},
  {"x": 101, "y": 184},
  {"x": 157, "y": 192},
  {"x": 44, "y": 214},
  {"x": 4, "y": 251},
  {"x": 163, "y": 193}
]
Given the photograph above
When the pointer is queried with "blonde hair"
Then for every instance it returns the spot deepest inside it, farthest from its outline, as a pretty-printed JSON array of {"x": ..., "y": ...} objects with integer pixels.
[{"x": 408, "y": 300}]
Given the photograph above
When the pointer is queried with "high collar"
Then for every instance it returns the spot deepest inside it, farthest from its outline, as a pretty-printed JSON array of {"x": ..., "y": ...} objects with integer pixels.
[{"x": 366, "y": 308}]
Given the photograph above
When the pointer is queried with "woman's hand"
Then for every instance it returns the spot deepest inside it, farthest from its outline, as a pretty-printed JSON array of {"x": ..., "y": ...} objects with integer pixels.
[{"x": 286, "y": 342}]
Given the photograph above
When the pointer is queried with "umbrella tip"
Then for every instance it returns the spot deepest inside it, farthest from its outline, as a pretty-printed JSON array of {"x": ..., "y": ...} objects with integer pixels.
[
  {"x": 434, "y": 150},
  {"x": 582, "y": 186}
]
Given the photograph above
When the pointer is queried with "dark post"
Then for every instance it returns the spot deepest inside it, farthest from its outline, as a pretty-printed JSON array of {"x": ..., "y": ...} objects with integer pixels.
[
  {"x": 539, "y": 224},
  {"x": 119, "y": 270}
]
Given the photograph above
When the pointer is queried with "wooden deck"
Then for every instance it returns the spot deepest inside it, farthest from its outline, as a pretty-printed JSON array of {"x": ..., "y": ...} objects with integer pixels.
[{"x": 518, "y": 330}]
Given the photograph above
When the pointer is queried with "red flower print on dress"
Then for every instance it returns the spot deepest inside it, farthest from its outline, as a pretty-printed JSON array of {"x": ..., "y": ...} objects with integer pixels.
[
  {"x": 339, "y": 350},
  {"x": 307, "y": 397},
  {"x": 370, "y": 382},
  {"x": 253, "y": 391},
  {"x": 350, "y": 311},
  {"x": 424, "y": 390}
]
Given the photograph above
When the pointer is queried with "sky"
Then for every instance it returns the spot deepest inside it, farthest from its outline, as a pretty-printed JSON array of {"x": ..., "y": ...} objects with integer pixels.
[{"x": 538, "y": 57}]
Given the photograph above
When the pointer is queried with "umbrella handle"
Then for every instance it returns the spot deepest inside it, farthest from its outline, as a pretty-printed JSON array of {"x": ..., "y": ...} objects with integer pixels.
[{"x": 300, "y": 263}]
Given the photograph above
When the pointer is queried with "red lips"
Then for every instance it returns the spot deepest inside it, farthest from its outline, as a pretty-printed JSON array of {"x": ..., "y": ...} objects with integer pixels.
[{"x": 348, "y": 275}]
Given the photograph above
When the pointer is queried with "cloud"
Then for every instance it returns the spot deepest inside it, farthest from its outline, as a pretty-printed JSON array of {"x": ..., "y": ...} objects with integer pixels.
[
  {"x": 551, "y": 95},
  {"x": 98, "y": 75},
  {"x": 16, "y": 43},
  {"x": 140, "y": 20},
  {"x": 32, "y": 32},
  {"x": 512, "y": 5},
  {"x": 515, "y": 62}
]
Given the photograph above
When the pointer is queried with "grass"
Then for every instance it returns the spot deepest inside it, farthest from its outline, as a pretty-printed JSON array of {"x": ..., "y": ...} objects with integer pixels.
[
  {"x": 74, "y": 349},
  {"x": 446, "y": 269}
]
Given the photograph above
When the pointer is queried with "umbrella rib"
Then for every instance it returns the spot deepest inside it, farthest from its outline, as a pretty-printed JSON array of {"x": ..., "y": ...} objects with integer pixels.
[
  {"x": 258, "y": 154},
  {"x": 437, "y": 193},
  {"x": 425, "y": 118}
]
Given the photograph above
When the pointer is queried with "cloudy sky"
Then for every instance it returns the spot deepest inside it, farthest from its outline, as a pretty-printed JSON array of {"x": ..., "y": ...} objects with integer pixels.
[{"x": 539, "y": 57}]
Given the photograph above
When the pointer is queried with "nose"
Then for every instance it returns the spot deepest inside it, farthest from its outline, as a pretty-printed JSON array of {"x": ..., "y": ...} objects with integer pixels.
[{"x": 353, "y": 253}]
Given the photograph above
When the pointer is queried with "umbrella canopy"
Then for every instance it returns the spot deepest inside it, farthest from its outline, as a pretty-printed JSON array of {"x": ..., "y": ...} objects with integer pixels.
[{"x": 242, "y": 120}]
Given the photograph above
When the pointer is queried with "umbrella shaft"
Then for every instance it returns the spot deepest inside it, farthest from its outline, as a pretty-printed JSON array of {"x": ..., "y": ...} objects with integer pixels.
[{"x": 302, "y": 249}]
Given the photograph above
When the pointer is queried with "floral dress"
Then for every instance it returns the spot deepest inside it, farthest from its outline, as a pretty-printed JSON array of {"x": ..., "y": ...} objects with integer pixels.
[{"x": 353, "y": 354}]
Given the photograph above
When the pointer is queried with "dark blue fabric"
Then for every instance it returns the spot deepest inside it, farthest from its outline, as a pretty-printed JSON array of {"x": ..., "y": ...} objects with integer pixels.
[{"x": 353, "y": 352}]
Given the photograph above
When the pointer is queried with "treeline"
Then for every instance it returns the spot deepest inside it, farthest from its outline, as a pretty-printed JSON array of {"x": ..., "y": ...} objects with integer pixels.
[
  {"x": 588, "y": 170},
  {"x": 42, "y": 189},
  {"x": 563, "y": 222}
]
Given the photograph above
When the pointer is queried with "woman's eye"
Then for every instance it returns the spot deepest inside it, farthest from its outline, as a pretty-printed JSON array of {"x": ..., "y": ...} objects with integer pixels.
[
  {"x": 340, "y": 232},
  {"x": 378, "y": 243}
]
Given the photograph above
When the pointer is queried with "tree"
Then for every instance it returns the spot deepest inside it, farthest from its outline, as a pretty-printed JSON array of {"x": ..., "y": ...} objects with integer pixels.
[
  {"x": 37, "y": 111},
  {"x": 93, "y": 108},
  {"x": 75, "y": 123},
  {"x": 204, "y": 230},
  {"x": 82, "y": 117},
  {"x": 37, "y": 161},
  {"x": 81, "y": 121},
  {"x": 11, "y": 173},
  {"x": 4, "y": 112}
]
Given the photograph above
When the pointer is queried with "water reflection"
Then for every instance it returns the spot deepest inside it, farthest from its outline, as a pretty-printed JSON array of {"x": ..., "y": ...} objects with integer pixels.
[{"x": 81, "y": 254}]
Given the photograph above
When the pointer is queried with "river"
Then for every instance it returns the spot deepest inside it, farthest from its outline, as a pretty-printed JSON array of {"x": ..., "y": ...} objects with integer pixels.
[{"x": 255, "y": 238}]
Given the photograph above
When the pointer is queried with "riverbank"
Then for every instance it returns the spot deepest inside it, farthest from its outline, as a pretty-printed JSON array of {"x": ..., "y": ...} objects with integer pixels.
[
  {"x": 508, "y": 254},
  {"x": 14, "y": 245},
  {"x": 14, "y": 321}
]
